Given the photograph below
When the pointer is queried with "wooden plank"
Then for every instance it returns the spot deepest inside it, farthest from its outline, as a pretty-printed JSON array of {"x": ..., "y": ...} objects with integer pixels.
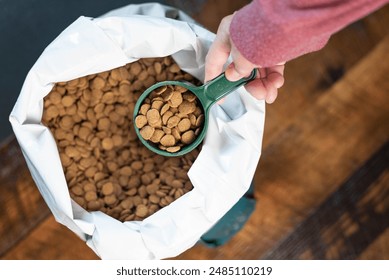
[
  {"x": 208, "y": 12},
  {"x": 362, "y": 211},
  {"x": 50, "y": 241},
  {"x": 21, "y": 205},
  {"x": 378, "y": 250},
  {"x": 214, "y": 10}
]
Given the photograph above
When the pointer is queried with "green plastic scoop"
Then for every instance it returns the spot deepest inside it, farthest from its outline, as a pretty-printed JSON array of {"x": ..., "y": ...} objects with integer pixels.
[{"x": 208, "y": 94}]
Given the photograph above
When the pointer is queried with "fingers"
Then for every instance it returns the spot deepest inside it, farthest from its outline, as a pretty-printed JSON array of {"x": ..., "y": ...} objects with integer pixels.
[
  {"x": 276, "y": 79},
  {"x": 275, "y": 75},
  {"x": 220, "y": 50},
  {"x": 257, "y": 89},
  {"x": 266, "y": 85},
  {"x": 240, "y": 67}
]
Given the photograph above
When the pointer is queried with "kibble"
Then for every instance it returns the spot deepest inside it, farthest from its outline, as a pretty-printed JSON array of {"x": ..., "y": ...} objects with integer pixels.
[
  {"x": 106, "y": 167},
  {"x": 170, "y": 118}
]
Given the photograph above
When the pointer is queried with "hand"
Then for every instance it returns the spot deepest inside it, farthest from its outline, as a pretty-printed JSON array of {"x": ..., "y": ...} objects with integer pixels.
[{"x": 269, "y": 80}]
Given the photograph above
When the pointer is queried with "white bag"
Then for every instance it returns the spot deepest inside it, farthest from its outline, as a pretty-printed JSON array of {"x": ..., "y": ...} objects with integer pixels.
[{"x": 222, "y": 172}]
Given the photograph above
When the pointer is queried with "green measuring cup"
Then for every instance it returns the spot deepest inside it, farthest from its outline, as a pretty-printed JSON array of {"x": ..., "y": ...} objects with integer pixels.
[{"x": 208, "y": 94}]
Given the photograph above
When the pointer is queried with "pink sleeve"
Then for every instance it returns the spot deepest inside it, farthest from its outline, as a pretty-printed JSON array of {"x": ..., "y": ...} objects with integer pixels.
[{"x": 268, "y": 32}]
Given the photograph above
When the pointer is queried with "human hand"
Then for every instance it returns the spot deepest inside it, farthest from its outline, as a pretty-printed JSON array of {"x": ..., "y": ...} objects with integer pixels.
[{"x": 269, "y": 79}]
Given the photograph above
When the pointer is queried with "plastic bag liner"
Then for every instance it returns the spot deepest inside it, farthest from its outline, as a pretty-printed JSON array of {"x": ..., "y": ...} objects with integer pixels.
[{"x": 221, "y": 174}]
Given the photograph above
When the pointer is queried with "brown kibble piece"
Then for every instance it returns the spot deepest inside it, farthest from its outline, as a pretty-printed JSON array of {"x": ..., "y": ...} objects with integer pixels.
[
  {"x": 52, "y": 112},
  {"x": 117, "y": 140},
  {"x": 90, "y": 172},
  {"x": 173, "y": 121},
  {"x": 147, "y": 132},
  {"x": 189, "y": 96},
  {"x": 157, "y": 104},
  {"x": 141, "y": 210},
  {"x": 157, "y": 135},
  {"x": 94, "y": 205},
  {"x": 144, "y": 108},
  {"x": 200, "y": 120},
  {"x": 177, "y": 184},
  {"x": 126, "y": 171},
  {"x": 197, "y": 112},
  {"x": 176, "y": 99},
  {"x": 84, "y": 132},
  {"x": 108, "y": 188},
  {"x": 154, "y": 199},
  {"x": 176, "y": 133},
  {"x": 168, "y": 140},
  {"x": 90, "y": 196},
  {"x": 77, "y": 190},
  {"x": 160, "y": 90},
  {"x": 80, "y": 200},
  {"x": 140, "y": 121},
  {"x": 107, "y": 144},
  {"x": 103, "y": 124},
  {"x": 110, "y": 199},
  {"x": 108, "y": 97},
  {"x": 166, "y": 117},
  {"x": 153, "y": 116},
  {"x": 137, "y": 165},
  {"x": 166, "y": 95},
  {"x": 135, "y": 68},
  {"x": 164, "y": 109},
  {"x": 127, "y": 204},
  {"x": 184, "y": 125},
  {"x": 66, "y": 122},
  {"x": 167, "y": 130},
  {"x": 89, "y": 187},
  {"x": 98, "y": 83},
  {"x": 157, "y": 67},
  {"x": 148, "y": 167},
  {"x": 134, "y": 182},
  {"x": 181, "y": 89},
  {"x": 187, "y": 107},
  {"x": 188, "y": 137},
  {"x": 67, "y": 101},
  {"x": 55, "y": 97},
  {"x": 174, "y": 68},
  {"x": 71, "y": 152},
  {"x": 173, "y": 149},
  {"x": 87, "y": 162},
  {"x": 192, "y": 119}
]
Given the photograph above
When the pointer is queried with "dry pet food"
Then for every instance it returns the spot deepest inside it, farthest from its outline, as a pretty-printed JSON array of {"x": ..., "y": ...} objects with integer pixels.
[
  {"x": 171, "y": 117},
  {"x": 106, "y": 167}
]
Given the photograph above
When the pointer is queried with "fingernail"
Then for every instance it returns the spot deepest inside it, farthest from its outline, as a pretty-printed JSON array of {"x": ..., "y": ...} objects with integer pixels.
[{"x": 271, "y": 98}]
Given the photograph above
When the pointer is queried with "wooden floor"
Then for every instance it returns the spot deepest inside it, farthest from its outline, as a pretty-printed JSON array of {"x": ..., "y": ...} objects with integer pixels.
[{"x": 322, "y": 182}]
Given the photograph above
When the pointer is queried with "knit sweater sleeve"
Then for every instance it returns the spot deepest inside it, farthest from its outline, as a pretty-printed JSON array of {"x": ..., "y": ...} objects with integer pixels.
[{"x": 269, "y": 32}]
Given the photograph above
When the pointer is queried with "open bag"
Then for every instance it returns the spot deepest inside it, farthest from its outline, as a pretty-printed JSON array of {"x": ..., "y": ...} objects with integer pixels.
[{"x": 221, "y": 174}]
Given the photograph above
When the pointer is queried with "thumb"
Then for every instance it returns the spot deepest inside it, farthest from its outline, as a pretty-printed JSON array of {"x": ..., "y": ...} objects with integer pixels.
[
  {"x": 220, "y": 50},
  {"x": 241, "y": 67}
]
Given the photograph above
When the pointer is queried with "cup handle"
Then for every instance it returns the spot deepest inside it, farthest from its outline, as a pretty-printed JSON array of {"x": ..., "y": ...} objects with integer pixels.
[{"x": 219, "y": 87}]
